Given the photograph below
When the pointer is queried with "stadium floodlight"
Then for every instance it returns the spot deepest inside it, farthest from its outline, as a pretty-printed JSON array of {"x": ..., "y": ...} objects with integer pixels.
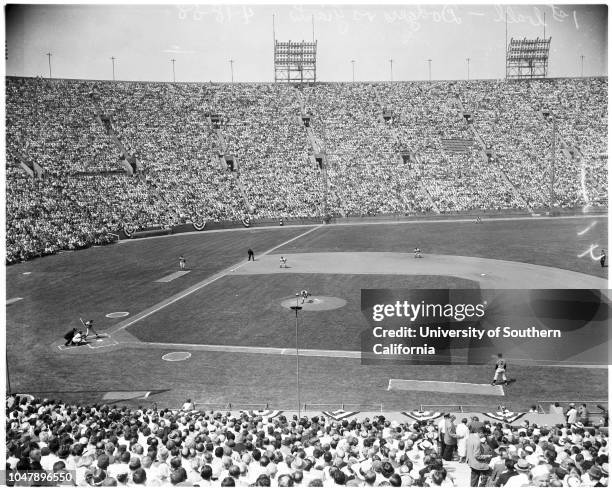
[
  {"x": 113, "y": 60},
  {"x": 173, "y": 73},
  {"x": 429, "y": 62},
  {"x": 297, "y": 308},
  {"x": 527, "y": 58},
  {"x": 295, "y": 62},
  {"x": 582, "y": 65},
  {"x": 391, "y": 63},
  {"x": 231, "y": 62},
  {"x": 468, "y": 68}
]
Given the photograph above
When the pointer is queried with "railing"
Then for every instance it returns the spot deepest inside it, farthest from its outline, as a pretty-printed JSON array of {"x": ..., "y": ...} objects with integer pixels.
[
  {"x": 380, "y": 407},
  {"x": 307, "y": 406},
  {"x": 463, "y": 408},
  {"x": 228, "y": 406},
  {"x": 345, "y": 406}
]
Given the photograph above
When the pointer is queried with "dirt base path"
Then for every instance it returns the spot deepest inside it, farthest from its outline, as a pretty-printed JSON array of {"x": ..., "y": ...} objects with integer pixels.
[{"x": 490, "y": 273}]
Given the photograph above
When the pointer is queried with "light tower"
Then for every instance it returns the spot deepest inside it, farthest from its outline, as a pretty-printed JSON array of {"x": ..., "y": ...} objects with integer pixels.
[
  {"x": 49, "y": 56},
  {"x": 297, "y": 308}
]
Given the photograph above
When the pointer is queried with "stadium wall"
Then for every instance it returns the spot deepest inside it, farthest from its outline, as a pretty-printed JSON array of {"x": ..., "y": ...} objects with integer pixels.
[{"x": 190, "y": 227}]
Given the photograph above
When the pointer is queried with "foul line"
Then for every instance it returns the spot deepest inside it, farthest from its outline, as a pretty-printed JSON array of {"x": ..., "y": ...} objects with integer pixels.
[
  {"x": 198, "y": 286},
  {"x": 262, "y": 350},
  {"x": 172, "y": 276},
  {"x": 324, "y": 353}
]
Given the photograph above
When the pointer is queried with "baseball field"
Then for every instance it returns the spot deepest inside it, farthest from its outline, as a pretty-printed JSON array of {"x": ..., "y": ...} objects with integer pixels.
[{"x": 227, "y": 325}]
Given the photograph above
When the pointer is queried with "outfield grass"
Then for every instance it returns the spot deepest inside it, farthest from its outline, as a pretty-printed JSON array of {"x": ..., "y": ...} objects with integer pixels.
[
  {"x": 547, "y": 242},
  {"x": 226, "y": 377}
]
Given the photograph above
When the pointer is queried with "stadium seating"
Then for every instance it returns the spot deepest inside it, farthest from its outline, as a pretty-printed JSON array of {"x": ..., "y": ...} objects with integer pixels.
[
  {"x": 84, "y": 198},
  {"x": 103, "y": 445}
]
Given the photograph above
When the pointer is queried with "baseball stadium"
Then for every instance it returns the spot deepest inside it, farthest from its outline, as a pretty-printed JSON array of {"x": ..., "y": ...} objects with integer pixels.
[{"x": 187, "y": 266}]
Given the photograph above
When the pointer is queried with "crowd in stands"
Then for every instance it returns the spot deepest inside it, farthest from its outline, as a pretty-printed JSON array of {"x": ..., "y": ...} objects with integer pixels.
[
  {"x": 428, "y": 114},
  {"x": 580, "y": 110},
  {"x": 366, "y": 173},
  {"x": 510, "y": 119},
  {"x": 83, "y": 197},
  {"x": 265, "y": 134},
  {"x": 101, "y": 445}
]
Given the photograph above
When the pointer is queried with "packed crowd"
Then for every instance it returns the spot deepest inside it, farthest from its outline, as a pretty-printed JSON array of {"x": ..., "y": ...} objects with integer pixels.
[
  {"x": 265, "y": 134},
  {"x": 100, "y": 445},
  {"x": 83, "y": 200},
  {"x": 366, "y": 173},
  {"x": 580, "y": 110},
  {"x": 509, "y": 118},
  {"x": 429, "y": 113}
]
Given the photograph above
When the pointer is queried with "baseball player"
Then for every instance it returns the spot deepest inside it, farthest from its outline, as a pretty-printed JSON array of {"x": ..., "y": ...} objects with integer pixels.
[{"x": 500, "y": 369}]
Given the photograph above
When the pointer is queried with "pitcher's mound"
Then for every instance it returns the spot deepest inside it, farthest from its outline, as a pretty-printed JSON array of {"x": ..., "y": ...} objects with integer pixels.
[{"x": 315, "y": 303}]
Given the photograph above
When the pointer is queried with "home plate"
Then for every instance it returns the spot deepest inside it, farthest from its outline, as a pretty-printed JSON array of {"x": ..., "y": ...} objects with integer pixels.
[{"x": 451, "y": 387}]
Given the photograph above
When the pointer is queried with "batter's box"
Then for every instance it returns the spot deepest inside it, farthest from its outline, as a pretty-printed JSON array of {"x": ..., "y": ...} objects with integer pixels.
[{"x": 102, "y": 342}]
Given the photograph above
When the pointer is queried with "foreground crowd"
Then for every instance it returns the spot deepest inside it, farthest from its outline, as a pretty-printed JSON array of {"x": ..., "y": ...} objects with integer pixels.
[
  {"x": 110, "y": 446},
  {"x": 83, "y": 199}
]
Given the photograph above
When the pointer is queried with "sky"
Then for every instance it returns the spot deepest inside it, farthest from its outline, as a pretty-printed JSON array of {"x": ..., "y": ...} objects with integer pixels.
[{"x": 203, "y": 38}]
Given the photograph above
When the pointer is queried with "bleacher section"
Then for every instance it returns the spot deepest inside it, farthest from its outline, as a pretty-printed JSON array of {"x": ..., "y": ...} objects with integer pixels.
[
  {"x": 180, "y": 176},
  {"x": 457, "y": 145}
]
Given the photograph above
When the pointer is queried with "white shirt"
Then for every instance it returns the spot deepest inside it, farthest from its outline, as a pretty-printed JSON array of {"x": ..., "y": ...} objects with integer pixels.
[
  {"x": 47, "y": 461},
  {"x": 522, "y": 479},
  {"x": 462, "y": 432}
]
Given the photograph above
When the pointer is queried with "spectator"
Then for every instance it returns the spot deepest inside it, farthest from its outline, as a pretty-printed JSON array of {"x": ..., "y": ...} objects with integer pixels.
[
  {"x": 287, "y": 450},
  {"x": 476, "y": 459},
  {"x": 82, "y": 202}
]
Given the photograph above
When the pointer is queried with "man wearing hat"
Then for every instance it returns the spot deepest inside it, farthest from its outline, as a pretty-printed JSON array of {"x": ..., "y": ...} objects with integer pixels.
[
  {"x": 571, "y": 414},
  {"x": 441, "y": 429},
  {"x": 604, "y": 475},
  {"x": 522, "y": 468},
  {"x": 450, "y": 438},
  {"x": 583, "y": 415},
  {"x": 592, "y": 478},
  {"x": 530, "y": 456}
]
